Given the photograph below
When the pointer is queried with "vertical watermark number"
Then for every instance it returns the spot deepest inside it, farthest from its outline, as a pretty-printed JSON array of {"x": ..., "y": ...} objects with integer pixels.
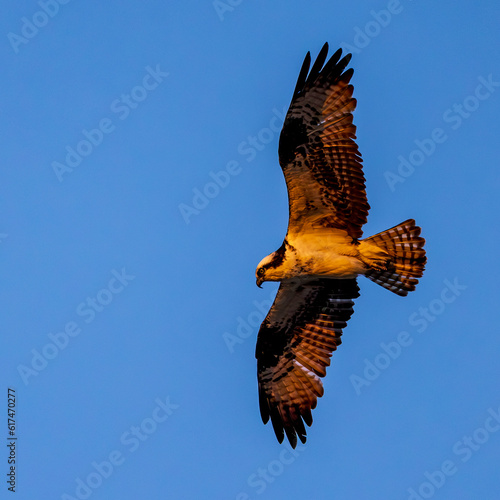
[{"x": 11, "y": 439}]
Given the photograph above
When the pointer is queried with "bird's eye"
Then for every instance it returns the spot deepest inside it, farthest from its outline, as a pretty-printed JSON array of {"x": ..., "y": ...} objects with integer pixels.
[{"x": 260, "y": 272}]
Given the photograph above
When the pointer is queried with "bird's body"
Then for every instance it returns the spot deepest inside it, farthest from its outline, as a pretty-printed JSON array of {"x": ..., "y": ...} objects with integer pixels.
[
  {"x": 323, "y": 251},
  {"x": 318, "y": 254}
]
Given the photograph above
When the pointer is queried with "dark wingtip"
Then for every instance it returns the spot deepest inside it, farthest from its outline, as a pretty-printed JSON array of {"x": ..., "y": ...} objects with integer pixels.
[
  {"x": 307, "y": 416},
  {"x": 346, "y": 77},
  {"x": 264, "y": 407},
  {"x": 318, "y": 64},
  {"x": 301, "y": 80},
  {"x": 333, "y": 68},
  {"x": 337, "y": 54},
  {"x": 344, "y": 62},
  {"x": 277, "y": 424},
  {"x": 292, "y": 436},
  {"x": 300, "y": 430},
  {"x": 278, "y": 430}
]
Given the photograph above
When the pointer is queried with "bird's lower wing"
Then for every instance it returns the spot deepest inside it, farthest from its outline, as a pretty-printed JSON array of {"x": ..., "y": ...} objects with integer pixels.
[{"x": 294, "y": 346}]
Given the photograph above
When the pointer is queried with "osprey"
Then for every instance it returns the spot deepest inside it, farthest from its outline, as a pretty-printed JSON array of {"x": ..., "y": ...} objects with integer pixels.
[{"x": 323, "y": 252}]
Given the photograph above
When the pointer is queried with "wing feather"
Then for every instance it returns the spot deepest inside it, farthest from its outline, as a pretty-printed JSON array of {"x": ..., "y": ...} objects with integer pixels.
[
  {"x": 318, "y": 153},
  {"x": 294, "y": 346}
]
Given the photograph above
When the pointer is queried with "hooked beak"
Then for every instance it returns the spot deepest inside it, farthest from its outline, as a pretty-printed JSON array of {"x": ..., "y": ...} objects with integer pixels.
[{"x": 259, "y": 281}]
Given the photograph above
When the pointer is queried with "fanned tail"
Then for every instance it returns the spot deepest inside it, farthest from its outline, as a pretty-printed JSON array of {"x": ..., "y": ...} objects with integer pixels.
[{"x": 406, "y": 261}]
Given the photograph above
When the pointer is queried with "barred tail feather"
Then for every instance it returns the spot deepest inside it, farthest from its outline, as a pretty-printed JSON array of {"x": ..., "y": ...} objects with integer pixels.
[{"x": 405, "y": 249}]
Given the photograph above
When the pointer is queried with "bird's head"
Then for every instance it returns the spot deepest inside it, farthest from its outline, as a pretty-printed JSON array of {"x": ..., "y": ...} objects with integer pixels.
[
  {"x": 268, "y": 268},
  {"x": 260, "y": 275}
]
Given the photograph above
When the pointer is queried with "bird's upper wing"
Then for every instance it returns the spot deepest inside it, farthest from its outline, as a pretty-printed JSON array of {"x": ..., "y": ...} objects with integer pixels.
[
  {"x": 317, "y": 152},
  {"x": 294, "y": 346}
]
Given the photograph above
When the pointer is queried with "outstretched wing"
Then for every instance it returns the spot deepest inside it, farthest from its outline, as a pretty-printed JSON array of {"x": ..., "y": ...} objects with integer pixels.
[
  {"x": 294, "y": 346},
  {"x": 317, "y": 152}
]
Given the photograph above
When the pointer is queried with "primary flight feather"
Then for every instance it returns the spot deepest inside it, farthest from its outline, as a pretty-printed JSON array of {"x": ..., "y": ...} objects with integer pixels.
[{"x": 322, "y": 253}]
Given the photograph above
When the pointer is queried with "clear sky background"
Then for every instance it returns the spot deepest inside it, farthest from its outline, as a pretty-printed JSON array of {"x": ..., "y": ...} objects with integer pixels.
[{"x": 128, "y": 297}]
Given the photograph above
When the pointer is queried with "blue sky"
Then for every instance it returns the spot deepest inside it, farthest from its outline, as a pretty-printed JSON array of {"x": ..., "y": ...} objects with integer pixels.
[{"x": 140, "y": 189}]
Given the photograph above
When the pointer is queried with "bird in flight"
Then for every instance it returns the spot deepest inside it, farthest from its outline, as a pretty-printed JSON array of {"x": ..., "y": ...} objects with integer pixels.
[{"x": 322, "y": 253}]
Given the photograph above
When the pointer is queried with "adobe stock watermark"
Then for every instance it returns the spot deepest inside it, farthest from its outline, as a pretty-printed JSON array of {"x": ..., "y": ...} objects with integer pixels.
[
  {"x": 462, "y": 452},
  {"x": 122, "y": 107},
  {"x": 245, "y": 327},
  {"x": 88, "y": 311},
  {"x": 131, "y": 440},
  {"x": 454, "y": 117},
  {"x": 420, "y": 320},
  {"x": 221, "y": 7},
  {"x": 379, "y": 20},
  {"x": 31, "y": 27},
  {"x": 264, "y": 476},
  {"x": 249, "y": 149}
]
